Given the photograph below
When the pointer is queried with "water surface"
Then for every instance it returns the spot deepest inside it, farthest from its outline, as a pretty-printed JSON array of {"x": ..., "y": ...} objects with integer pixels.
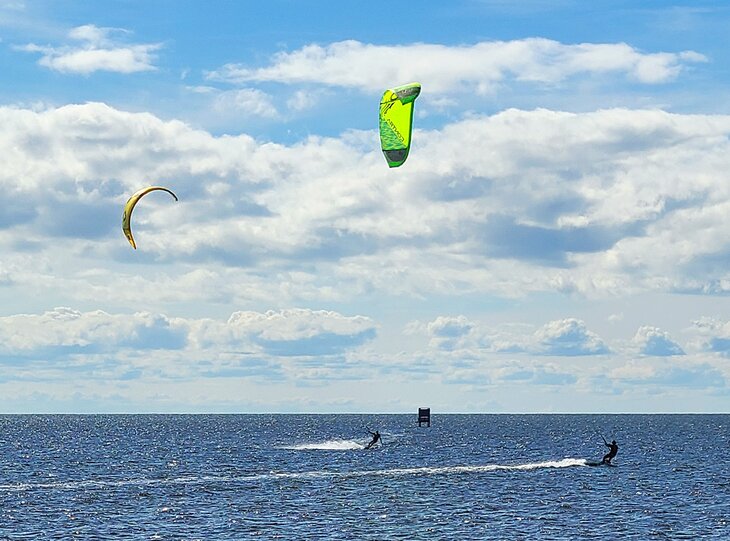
[{"x": 234, "y": 477}]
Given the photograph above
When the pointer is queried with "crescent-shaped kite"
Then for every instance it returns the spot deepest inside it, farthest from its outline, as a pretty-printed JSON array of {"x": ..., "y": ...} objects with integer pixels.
[
  {"x": 129, "y": 207},
  {"x": 396, "y": 122}
]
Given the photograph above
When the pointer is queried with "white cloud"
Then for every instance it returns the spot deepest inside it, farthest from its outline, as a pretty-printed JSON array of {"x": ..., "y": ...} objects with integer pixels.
[
  {"x": 603, "y": 203},
  {"x": 568, "y": 337},
  {"x": 302, "y": 331},
  {"x": 297, "y": 324},
  {"x": 444, "y": 69},
  {"x": 449, "y": 333},
  {"x": 654, "y": 341},
  {"x": 264, "y": 356},
  {"x": 564, "y": 337},
  {"x": 97, "y": 50},
  {"x": 63, "y": 329},
  {"x": 94, "y": 35},
  {"x": 249, "y": 101},
  {"x": 302, "y": 100}
]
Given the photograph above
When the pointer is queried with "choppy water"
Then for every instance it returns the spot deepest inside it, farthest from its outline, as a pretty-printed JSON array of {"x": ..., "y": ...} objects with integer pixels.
[{"x": 236, "y": 477}]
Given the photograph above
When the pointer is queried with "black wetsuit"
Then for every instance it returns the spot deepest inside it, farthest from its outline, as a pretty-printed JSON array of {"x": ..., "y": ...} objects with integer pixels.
[
  {"x": 613, "y": 451},
  {"x": 376, "y": 438}
]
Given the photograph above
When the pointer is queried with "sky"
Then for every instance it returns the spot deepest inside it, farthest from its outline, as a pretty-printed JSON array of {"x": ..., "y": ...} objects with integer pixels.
[{"x": 557, "y": 240}]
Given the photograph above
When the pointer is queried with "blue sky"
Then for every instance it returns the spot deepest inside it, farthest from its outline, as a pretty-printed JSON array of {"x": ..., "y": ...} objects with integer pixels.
[{"x": 556, "y": 241}]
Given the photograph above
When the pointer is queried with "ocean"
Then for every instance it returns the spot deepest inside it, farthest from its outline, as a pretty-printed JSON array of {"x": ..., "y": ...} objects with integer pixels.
[{"x": 238, "y": 477}]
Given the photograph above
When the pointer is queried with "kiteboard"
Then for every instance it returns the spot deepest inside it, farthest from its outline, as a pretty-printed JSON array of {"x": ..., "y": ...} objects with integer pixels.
[{"x": 591, "y": 463}]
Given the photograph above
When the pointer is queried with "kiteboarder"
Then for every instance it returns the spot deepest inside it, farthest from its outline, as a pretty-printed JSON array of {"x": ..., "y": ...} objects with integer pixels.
[
  {"x": 376, "y": 439},
  {"x": 613, "y": 450}
]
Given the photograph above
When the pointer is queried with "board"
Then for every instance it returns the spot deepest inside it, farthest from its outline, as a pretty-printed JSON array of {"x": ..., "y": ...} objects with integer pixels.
[{"x": 588, "y": 463}]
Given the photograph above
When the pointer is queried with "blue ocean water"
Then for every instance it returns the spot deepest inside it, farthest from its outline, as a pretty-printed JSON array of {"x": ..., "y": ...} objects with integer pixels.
[{"x": 237, "y": 477}]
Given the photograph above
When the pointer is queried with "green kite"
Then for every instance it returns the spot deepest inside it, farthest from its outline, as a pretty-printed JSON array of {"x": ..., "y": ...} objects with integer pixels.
[{"x": 396, "y": 122}]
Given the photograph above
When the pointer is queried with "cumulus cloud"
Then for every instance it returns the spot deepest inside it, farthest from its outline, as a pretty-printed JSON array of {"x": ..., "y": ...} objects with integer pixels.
[
  {"x": 569, "y": 337},
  {"x": 64, "y": 330},
  {"x": 292, "y": 332},
  {"x": 444, "y": 68},
  {"x": 566, "y": 337},
  {"x": 144, "y": 357},
  {"x": 654, "y": 341},
  {"x": 508, "y": 204},
  {"x": 303, "y": 331},
  {"x": 96, "y": 49}
]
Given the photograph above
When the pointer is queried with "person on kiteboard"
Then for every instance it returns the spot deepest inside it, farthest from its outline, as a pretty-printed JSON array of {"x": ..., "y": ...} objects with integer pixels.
[
  {"x": 376, "y": 439},
  {"x": 613, "y": 451}
]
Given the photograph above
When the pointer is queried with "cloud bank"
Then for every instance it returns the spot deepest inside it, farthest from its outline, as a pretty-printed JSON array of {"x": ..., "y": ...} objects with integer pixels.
[
  {"x": 614, "y": 201},
  {"x": 64, "y": 330},
  {"x": 442, "y": 68},
  {"x": 292, "y": 332}
]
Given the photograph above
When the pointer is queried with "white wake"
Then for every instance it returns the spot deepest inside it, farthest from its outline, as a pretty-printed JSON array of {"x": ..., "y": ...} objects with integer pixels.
[
  {"x": 330, "y": 445},
  {"x": 317, "y": 474}
]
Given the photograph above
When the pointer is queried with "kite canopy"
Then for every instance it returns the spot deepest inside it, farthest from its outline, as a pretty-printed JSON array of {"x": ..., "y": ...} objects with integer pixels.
[
  {"x": 129, "y": 207},
  {"x": 396, "y": 122}
]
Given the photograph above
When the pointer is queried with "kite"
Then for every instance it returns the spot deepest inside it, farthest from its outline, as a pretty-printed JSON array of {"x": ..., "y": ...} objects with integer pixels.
[
  {"x": 129, "y": 207},
  {"x": 396, "y": 122}
]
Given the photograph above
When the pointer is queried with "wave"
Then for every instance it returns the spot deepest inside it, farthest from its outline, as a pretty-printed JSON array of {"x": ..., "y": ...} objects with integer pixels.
[{"x": 317, "y": 474}]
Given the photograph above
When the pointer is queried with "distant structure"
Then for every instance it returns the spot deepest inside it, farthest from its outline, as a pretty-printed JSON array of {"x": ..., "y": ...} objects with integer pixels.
[{"x": 424, "y": 416}]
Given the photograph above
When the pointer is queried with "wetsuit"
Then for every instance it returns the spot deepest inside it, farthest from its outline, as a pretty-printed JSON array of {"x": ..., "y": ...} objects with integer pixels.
[
  {"x": 613, "y": 450},
  {"x": 376, "y": 438}
]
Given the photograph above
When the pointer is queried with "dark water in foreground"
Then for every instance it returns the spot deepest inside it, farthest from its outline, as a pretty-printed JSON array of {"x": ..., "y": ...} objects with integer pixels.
[{"x": 306, "y": 477}]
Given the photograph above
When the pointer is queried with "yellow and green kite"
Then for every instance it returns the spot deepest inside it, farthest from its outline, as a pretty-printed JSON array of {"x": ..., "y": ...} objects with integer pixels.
[
  {"x": 129, "y": 207},
  {"x": 396, "y": 122}
]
